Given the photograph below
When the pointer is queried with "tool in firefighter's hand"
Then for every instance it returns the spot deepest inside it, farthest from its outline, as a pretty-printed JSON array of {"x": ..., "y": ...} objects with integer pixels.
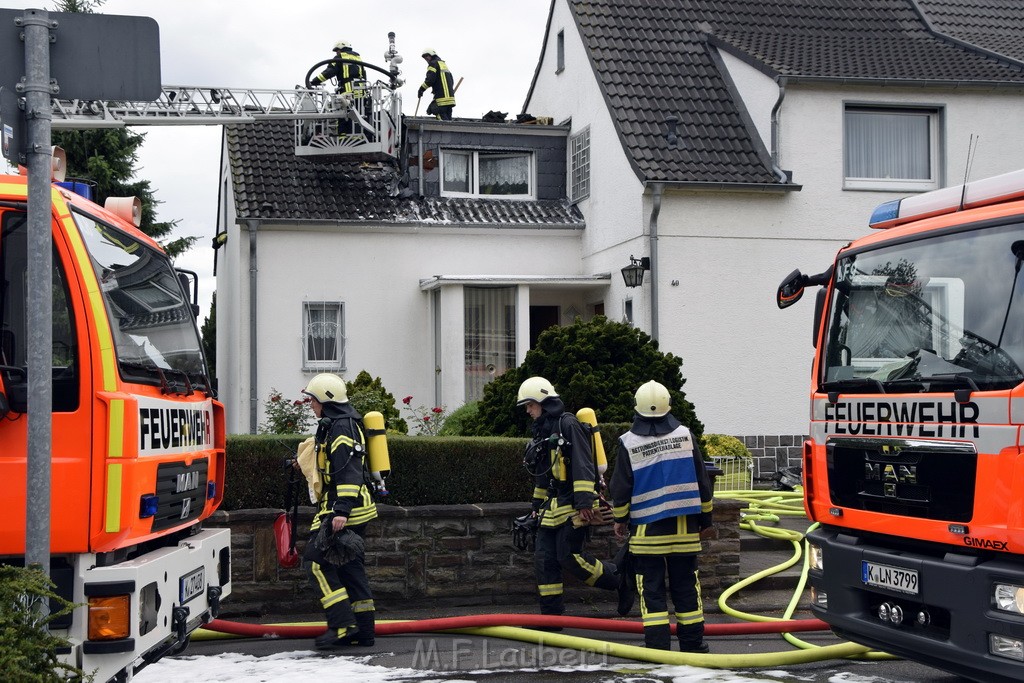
[
  {"x": 524, "y": 531},
  {"x": 456, "y": 88},
  {"x": 418, "y": 99},
  {"x": 339, "y": 547}
]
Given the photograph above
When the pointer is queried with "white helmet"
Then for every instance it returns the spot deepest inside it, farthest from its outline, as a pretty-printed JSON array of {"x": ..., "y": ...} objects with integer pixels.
[
  {"x": 342, "y": 45},
  {"x": 327, "y": 388},
  {"x": 535, "y": 389},
  {"x": 652, "y": 400},
  {"x": 428, "y": 51}
]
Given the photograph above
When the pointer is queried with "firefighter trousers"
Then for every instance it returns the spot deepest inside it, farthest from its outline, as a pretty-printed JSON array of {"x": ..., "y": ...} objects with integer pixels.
[
  {"x": 344, "y": 593},
  {"x": 650, "y": 573},
  {"x": 561, "y": 549}
]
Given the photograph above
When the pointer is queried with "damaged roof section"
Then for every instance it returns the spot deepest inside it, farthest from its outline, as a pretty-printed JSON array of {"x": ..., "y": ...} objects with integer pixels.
[
  {"x": 655, "y": 60},
  {"x": 270, "y": 182}
]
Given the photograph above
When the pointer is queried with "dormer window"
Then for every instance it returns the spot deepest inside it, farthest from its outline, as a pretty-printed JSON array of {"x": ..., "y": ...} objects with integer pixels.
[{"x": 508, "y": 175}]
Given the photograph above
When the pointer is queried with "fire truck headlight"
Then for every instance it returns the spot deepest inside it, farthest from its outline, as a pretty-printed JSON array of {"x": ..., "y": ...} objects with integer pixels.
[
  {"x": 814, "y": 557},
  {"x": 1009, "y": 598},
  {"x": 108, "y": 617},
  {"x": 1002, "y": 646}
]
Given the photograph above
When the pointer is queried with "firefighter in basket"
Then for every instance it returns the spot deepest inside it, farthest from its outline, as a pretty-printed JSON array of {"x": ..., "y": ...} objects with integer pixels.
[
  {"x": 565, "y": 498},
  {"x": 335, "y": 553}
]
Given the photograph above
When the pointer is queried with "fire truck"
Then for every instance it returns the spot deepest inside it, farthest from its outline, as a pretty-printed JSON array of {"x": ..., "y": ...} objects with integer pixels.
[
  {"x": 138, "y": 437},
  {"x": 913, "y": 467}
]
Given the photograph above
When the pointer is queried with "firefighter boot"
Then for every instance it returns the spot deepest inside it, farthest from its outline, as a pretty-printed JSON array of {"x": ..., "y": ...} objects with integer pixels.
[
  {"x": 691, "y": 638},
  {"x": 364, "y": 637},
  {"x": 341, "y": 625},
  {"x": 658, "y": 637}
]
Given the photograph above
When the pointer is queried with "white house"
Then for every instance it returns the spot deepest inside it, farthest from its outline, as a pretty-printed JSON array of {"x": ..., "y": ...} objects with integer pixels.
[{"x": 726, "y": 142}]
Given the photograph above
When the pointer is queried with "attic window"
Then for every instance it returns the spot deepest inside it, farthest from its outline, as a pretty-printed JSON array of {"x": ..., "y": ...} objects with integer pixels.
[
  {"x": 560, "y": 52},
  {"x": 891, "y": 148},
  {"x": 487, "y": 174},
  {"x": 579, "y": 165}
]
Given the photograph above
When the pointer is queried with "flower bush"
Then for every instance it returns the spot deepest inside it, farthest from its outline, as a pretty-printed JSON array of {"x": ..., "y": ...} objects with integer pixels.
[
  {"x": 286, "y": 416},
  {"x": 427, "y": 421}
]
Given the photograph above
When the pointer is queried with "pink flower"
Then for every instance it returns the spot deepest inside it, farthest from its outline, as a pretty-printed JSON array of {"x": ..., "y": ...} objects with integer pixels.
[
  {"x": 407, "y": 400},
  {"x": 438, "y": 411}
]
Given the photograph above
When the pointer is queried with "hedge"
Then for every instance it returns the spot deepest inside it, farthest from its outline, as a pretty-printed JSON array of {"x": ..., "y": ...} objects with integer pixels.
[{"x": 425, "y": 470}]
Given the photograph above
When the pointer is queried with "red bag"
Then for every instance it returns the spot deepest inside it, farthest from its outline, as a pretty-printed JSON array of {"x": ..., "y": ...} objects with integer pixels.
[{"x": 287, "y": 556}]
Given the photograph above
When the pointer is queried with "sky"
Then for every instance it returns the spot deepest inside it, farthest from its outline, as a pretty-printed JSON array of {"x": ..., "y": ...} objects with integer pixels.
[{"x": 267, "y": 44}]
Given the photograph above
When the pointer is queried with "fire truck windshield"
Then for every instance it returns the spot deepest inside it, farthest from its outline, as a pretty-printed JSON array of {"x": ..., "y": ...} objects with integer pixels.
[
  {"x": 933, "y": 314},
  {"x": 154, "y": 334}
]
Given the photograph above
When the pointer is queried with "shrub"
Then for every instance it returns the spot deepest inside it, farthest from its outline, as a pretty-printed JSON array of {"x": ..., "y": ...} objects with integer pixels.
[
  {"x": 286, "y": 416},
  {"x": 597, "y": 364},
  {"x": 28, "y": 652},
  {"x": 367, "y": 393},
  {"x": 460, "y": 419},
  {"x": 723, "y": 445},
  {"x": 428, "y": 421}
]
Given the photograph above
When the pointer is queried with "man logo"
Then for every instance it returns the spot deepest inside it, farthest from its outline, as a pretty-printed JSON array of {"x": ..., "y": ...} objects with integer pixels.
[{"x": 186, "y": 507}]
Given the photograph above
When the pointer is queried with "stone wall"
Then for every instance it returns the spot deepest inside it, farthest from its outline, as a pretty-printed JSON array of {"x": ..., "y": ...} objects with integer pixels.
[
  {"x": 771, "y": 453},
  {"x": 433, "y": 556}
]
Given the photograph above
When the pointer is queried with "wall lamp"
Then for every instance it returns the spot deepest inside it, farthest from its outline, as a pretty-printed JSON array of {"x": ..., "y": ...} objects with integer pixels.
[{"x": 633, "y": 274}]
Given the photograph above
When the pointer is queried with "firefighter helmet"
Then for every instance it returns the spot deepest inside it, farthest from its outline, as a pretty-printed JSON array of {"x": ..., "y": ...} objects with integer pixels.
[
  {"x": 428, "y": 52},
  {"x": 535, "y": 389},
  {"x": 342, "y": 45},
  {"x": 652, "y": 400},
  {"x": 327, "y": 388}
]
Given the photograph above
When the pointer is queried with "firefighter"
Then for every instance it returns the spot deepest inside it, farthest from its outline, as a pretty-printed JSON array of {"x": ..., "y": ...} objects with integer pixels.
[
  {"x": 565, "y": 499},
  {"x": 662, "y": 500},
  {"x": 440, "y": 80},
  {"x": 345, "y": 503},
  {"x": 348, "y": 75}
]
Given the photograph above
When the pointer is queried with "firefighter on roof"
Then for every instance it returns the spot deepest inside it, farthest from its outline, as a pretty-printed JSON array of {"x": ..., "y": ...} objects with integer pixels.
[
  {"x": 348, "y": 75},
  {"x": 662, "y": 497},
  {"x": 561, "y": 460},
  {"x": 345, "y": 507},
  {"x": 440, "y": 80}
]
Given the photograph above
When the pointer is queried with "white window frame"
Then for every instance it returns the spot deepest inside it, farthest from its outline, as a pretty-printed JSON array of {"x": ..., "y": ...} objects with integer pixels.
[
  {"x": 337, "y": 363},
  {"x": 579, "y": 166},
  {"x": 474, "y": 171},
  {"x": 934, "y": 116}
]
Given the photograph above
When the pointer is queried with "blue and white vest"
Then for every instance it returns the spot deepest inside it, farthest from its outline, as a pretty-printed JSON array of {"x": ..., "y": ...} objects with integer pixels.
[{"x": 664, "y": 476}]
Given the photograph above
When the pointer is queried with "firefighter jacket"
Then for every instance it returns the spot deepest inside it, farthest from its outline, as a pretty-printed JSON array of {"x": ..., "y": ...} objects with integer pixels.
[
  {"x": 440, "y": 81},
  {"x": 660, "y": 486},
  {"x": 347, "y": 74},
  {"x": 340, "y": 453},
  {"x": 565, "y": 473}
]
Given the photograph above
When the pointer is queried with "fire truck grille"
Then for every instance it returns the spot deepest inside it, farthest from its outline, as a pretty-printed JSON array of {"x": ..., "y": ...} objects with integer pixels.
[
  {"x": 181, "y": 490},
  {"x": 909, "y": 480}
]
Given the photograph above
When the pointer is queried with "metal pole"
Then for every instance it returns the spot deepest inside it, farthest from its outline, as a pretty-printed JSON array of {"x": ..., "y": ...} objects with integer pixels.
[
  {"x": 655, "y": 211},
  {"x": 36, "y": 88},
  {"x": 254, "y": 226}
]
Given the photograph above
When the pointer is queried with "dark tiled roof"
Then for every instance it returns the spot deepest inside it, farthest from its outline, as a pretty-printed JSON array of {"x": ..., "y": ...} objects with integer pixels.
[
  {"x": 996, "y": 25},
  {"x": 265, "y": 171},
  {"x": 653, "y": 61}
]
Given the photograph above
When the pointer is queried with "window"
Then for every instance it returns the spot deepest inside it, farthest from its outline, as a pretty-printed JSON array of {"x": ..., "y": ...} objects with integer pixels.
[
  {"x": 579, "y": 165},
  {"x": 888, "y": 148},
  {"x": 477, "y": 174},
  {"x": 490, "y": 324},
  {"x": 323, "y": 336},
  {"x": 560, "y": 53}
]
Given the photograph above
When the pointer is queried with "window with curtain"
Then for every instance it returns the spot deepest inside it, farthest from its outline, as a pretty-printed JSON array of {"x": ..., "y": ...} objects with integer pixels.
[
  {"x": 487, "y": 174},
  {"x": 490, "y": 329},
  {"x": 579, "y": 165},
  {"x": 886, "y": 148},
  {"x": 323, "y": 336}
]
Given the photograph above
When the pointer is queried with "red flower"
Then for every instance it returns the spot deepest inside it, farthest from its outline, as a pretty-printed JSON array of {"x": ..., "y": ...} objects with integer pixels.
[
  {"x": 438, "y": 411},
  {"x": 297, "y": 403},
  {"x": 426, "y": 418},
  {"x": 407, "y": 400},
  {"x": 275, "y": 398}
]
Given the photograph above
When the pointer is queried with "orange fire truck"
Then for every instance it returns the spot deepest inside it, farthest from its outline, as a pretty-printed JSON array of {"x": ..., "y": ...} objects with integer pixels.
[
  {"x": 137, "y": 454},
  {"x": 914, "y": 464}
]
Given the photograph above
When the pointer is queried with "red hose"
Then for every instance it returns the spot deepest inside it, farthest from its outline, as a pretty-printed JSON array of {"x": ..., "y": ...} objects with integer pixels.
[{"x": 527, "y": 620}]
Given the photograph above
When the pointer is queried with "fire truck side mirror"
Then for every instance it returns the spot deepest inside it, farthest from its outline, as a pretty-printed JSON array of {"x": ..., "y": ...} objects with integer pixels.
[{"x": 791, "y": 289}]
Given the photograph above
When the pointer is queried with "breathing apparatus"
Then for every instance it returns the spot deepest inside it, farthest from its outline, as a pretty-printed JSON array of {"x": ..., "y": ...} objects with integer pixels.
[
  {"x": 378, "y": 462},
  {"x": 587, "y": 416}
]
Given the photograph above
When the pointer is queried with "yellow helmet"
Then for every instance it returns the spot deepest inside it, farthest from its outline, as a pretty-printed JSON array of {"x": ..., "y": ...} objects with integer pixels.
[
  {"x": 652, "y": 400},
  {"x": 342, "y": 45},
  {"x": 327, "y": 388},
  {"x": 535, "y": 389}
]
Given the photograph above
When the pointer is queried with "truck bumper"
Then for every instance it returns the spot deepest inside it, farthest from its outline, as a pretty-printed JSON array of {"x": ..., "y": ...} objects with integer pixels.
[
  {"x": 171, "y": 592},
  {"x": 947, "y": 624}
]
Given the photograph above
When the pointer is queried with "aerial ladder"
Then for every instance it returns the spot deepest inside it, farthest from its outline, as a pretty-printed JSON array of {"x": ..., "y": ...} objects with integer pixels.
[{"x": 364, "y": 125}]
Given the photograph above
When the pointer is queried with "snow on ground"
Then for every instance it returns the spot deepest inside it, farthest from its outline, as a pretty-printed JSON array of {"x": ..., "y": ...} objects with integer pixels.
[{"x": 303, "y": 666}]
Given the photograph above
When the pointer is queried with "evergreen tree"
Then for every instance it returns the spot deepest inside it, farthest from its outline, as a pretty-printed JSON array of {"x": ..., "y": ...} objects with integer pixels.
[
  {"x": 208, "y": 330},
  {"x": 598, "y": 364},
  {"x": 107, "y": 158}
]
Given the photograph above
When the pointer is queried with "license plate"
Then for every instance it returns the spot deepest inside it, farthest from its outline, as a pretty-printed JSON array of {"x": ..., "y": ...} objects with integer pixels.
[
  {"x": 893, "y": 578},
  {"x": 191, "y": 585}
]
